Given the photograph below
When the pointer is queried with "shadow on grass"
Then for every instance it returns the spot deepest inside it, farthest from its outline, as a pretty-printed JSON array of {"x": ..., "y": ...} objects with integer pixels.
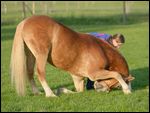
[
  {"x": 87, "y": 21},
  {"x": 141, "y": 80}
]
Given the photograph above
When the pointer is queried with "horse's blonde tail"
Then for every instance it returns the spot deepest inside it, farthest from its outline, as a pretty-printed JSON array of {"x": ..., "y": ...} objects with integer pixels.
[{"x": 18, "y": 62}]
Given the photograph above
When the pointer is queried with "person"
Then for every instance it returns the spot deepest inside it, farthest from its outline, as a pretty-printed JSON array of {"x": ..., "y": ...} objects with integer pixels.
[{"x": 115, "y": 40}]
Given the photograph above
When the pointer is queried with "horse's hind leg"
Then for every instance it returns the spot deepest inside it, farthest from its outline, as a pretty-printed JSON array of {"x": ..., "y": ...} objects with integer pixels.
[
  {"x": 104, "y": 74},
  {"x": 41, "y": 64},
  {"x": 30, "y": 70}
]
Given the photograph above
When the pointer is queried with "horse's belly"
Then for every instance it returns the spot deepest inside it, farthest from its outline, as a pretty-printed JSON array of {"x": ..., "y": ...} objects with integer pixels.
[{"x": 63, "y": 58}]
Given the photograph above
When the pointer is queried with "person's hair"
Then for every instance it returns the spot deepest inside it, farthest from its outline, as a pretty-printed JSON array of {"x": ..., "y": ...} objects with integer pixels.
[{"x": 120, "y": 38}]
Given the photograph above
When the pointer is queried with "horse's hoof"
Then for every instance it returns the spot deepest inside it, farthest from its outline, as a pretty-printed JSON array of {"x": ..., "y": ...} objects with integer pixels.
[
  {"x": 127, "y": 91},
  {"x": 52, "y": 95},
  {"x": 64, "y": 90}
]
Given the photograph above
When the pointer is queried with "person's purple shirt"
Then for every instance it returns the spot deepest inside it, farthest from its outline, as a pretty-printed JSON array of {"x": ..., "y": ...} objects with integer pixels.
[{"x": 100, "y": 35}]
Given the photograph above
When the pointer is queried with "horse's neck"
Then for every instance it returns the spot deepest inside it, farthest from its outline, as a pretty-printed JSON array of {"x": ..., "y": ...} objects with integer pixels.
[{"x": 116, "y": 61}]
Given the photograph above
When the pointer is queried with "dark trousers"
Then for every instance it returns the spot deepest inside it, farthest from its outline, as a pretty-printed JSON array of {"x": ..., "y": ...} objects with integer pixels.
[{"x": 90, "y": 84}]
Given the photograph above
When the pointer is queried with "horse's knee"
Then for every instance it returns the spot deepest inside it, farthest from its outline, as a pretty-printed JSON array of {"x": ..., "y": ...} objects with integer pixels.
[
  {"x": 115, "y": 75},
  {"x": 93, "y": 78}
]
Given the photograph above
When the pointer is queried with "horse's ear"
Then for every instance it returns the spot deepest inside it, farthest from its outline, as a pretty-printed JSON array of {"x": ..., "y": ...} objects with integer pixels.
[{"x": 130, "y": 78}]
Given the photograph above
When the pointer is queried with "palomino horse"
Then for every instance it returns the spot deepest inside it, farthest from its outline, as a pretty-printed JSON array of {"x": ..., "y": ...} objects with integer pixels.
[{"x": 39, "y": 39}]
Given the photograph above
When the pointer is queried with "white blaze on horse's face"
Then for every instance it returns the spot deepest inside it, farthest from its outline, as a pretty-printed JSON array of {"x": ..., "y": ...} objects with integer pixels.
[{"x": 101, "y": 86}]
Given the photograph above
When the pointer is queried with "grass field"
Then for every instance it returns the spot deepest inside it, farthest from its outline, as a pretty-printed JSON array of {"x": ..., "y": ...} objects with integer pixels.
[{"x": 135, "y": 50}]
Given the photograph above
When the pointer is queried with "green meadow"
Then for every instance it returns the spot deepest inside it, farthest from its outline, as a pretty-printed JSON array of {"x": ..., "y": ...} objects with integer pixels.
[{"x": 135, "y": 50}]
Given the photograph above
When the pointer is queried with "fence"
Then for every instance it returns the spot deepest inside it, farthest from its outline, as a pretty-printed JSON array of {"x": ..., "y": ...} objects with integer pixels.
[{"x": 16, "y": 10}]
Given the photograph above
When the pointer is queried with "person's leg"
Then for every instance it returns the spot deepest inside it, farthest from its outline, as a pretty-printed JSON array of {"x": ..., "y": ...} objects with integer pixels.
[{"x": 90, "y": 84}]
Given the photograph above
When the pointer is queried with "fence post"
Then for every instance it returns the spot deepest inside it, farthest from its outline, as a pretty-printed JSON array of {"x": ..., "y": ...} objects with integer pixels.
[
  {"x": 33, "y": 7},
  {"x": 5, "y": 8},
  {"x": 24, "y": 9},
  {"x": 124, "y": 12},
  {"x": 67, "y": 6},
  {"x": 78, "y": 5},
  {"x": 45, "y": 7}
]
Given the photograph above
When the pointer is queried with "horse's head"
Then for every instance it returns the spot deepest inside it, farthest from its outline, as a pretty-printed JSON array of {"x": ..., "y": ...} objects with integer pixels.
[{"x": 107, "y": 85}]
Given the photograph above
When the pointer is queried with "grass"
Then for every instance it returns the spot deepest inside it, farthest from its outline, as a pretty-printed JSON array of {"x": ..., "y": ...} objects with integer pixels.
[{"x": 135, "y": 50}]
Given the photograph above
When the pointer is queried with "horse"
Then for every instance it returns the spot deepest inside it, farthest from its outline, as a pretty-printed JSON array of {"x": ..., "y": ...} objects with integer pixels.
[{"x": 40, "y": 39}]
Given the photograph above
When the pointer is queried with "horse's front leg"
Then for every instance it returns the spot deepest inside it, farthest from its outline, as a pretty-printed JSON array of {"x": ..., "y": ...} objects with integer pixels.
[
  {"x": 78, "y": 82},
  {"x": 79, "y": 85},
  {"x": 105, "y": 74}
]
